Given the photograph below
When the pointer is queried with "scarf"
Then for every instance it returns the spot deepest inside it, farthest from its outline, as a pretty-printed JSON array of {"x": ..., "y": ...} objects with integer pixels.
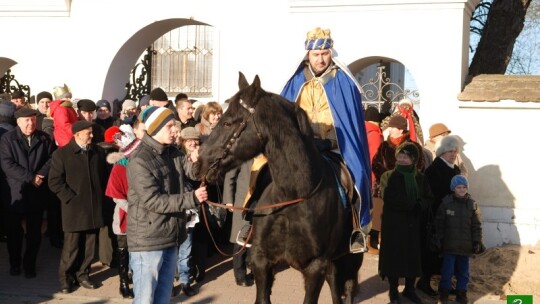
[
  {"x": 409, "y": 173},
  {"x": 408, "y": 114},
  {"x": 396, "y": 141}
]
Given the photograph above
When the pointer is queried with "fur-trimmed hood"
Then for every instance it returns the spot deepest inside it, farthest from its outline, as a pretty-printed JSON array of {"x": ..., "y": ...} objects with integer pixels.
[{"x": 114, "y": 157}]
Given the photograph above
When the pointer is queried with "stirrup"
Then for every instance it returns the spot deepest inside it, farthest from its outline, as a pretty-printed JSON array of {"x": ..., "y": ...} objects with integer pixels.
[
  {"x": 244, "y": 242},
  {"x": 354, "y": 235}
]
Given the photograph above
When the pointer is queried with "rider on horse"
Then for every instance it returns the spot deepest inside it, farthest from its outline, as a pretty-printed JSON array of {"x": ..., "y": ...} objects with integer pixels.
[
  {"x": 330, "y": 95},
  {"x": 325, "y": 89}
]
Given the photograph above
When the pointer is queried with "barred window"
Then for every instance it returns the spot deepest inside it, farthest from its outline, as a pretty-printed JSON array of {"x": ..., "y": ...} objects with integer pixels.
[{"x": 182, "y": 61}]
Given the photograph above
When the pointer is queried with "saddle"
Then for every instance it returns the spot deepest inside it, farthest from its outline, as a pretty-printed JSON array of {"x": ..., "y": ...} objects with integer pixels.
[
  {"x": 342, "y": 173},
  {"x": 260, "y": 178}
]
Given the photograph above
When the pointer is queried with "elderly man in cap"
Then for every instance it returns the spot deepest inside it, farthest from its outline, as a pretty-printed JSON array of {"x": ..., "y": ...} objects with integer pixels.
[
  {"x": 77, "y": 176},
  {"x": 156, "y": 223},
  {"x": 85, "y": 111},
  {"x": 25, "y": 155},
  {"x": 325, "y": 88}
]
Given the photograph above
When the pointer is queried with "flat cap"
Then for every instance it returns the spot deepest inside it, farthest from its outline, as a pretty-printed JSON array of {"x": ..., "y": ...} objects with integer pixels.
[
  {"x": 80, "y": 125},
  {"x": 86, "y": 105},
  {"x": 25, "y": 112}
]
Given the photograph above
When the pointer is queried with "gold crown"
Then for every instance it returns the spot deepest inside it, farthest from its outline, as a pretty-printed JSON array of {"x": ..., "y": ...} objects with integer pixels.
[
  {"x": 318, "y": 33},
  {"x": 61, "y": 92}
]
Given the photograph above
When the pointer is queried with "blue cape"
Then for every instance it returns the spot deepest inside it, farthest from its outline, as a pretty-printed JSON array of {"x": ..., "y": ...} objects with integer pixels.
[{"x": 346, "y": 106}]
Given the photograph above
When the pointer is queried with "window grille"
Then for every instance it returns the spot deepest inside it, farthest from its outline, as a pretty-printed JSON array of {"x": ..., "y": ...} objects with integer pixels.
[{"x": 182, "y": 61}]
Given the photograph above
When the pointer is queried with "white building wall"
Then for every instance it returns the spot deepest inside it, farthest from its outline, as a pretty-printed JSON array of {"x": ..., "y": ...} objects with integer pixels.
[
  {"x": 501, "y": 157},
  {"x": 266, "y": 38}
]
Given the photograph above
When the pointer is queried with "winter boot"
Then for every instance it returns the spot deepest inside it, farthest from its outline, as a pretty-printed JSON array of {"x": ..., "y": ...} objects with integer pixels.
[
  {"x": 393, "y": 292},
  {"x": 123, "y": 273},
  {"x": 443, "y": 297},
  {"x": 410, "y": 292},
  {"x": 425, "y": 286},
  {"x": 461, "y": 297}
]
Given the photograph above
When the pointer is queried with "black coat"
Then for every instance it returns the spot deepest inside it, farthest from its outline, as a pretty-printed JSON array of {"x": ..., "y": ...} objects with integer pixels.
[
  {"x": 400, "y": 253},
  {"x": 439, "y": 175},
  {"x": 78, "y": 179},
  {"x": 21, "y": 163}
]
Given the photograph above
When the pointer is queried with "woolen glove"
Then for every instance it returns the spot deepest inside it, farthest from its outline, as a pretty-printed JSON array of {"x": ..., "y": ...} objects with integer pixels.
[
  {"x": 478, "y": 247},
  {"x": 323, "y": 144}
]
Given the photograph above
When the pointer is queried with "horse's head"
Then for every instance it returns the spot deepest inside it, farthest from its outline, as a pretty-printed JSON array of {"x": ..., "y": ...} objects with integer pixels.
[
  {"x": 255, "y": 122},
  {"x": 236, "y": 138}
]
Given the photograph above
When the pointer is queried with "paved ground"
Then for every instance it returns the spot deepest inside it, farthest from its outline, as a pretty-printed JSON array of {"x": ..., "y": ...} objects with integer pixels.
[{"x": 218, "y": 287}]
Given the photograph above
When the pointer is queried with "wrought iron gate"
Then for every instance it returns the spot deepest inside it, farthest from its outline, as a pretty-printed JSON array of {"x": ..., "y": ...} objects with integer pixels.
[
  {"x": 380, "y": 90},
  {"x": 8, "y": 84},
  {"x": 140, "y": 77}
]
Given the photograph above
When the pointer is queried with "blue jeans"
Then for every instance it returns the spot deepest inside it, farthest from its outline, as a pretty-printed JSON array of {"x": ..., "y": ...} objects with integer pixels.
[
  {"x": 184, "y": 258},
  {"x": 153, "y": 275},
  {"x": 459, "y": 263}
]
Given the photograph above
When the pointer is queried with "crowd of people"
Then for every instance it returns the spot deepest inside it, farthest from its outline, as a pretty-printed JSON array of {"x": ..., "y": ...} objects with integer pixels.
[
  {"x": 411, "y": 182},
  {"x": 69, "y": 161},
  {"x": 117, "y": 175}
]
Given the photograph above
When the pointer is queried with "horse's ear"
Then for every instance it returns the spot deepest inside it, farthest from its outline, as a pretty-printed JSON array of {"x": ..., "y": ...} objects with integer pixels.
[
  {"x": 303, "y": 122},
  {"x": 256, "y": 81},
  {"x": 242, "y": 81}
]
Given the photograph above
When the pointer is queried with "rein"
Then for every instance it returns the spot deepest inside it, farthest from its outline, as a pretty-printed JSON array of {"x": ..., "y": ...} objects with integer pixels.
[
  {"x": 276, "y": 205},
  {"x": 227, "y": 148}
]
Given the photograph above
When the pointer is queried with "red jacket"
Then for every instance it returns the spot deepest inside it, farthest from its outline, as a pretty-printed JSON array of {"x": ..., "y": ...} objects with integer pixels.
[
  {"x": 375, "y": 138},
  {"x": 63, "y": 116}
]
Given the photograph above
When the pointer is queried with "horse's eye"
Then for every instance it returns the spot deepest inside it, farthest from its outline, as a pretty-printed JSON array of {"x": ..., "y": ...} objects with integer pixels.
[{"x": 227, "y": 124}]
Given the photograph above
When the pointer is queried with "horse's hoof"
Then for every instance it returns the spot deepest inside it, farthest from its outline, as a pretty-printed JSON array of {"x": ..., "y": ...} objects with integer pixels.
[{"x": 245, "y": 282}]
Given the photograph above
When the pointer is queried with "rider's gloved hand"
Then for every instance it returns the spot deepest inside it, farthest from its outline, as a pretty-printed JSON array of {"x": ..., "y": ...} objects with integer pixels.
[{"x": 323, "y": 144}]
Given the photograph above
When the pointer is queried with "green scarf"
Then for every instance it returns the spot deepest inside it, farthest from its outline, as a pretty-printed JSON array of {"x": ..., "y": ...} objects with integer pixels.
[{"x": 409, "y": 173}]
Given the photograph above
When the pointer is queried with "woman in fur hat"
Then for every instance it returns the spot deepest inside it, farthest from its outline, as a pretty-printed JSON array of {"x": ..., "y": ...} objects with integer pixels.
[{"x": 438, "y": 174}]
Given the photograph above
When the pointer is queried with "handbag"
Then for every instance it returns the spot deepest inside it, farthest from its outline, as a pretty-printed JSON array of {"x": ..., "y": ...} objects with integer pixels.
[{"x": 216, "y": 215}]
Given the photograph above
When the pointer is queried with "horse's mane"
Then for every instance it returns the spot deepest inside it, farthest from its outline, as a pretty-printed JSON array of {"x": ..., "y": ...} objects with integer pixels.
[{"x": 262, "y": 97}]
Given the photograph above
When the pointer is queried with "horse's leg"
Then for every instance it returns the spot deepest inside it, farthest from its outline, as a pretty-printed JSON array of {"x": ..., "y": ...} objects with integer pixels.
[
  {"x": 314, "y": 275},
  {"x": 264, "y": 278},
  {"x": 347, "y": 268},
  {"x": 333, "y": 281}
]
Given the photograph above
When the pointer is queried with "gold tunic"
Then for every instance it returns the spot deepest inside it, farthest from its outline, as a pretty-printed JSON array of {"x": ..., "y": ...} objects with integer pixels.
[{"x": 313, "y": 100}]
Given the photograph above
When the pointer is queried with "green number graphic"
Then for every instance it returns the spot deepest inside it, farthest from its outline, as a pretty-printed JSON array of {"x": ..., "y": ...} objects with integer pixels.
[{"x": 519, "y": 299}]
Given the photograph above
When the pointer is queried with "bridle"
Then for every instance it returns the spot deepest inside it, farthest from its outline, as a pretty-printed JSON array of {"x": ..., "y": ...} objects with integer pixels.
[
  {"x": 215, "y": 165},
  {"x": 234, "y": 137}
]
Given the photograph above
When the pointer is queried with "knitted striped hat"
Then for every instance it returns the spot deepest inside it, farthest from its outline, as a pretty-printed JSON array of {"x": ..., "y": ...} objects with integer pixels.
[{"x": 155, "y": 118}]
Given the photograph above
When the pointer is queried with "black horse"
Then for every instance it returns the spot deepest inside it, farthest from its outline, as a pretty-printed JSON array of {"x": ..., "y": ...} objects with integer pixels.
[{"x": 311, "y": 236}]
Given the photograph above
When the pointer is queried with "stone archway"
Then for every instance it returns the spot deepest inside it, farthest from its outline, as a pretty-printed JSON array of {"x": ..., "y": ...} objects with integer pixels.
[
  {"x": 6, "y": 64},
  {"x": 127, "y": 55}
]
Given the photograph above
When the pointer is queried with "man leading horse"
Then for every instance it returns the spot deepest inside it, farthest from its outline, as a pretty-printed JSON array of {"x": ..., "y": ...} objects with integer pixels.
[{"x": 325, "y": 88}]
